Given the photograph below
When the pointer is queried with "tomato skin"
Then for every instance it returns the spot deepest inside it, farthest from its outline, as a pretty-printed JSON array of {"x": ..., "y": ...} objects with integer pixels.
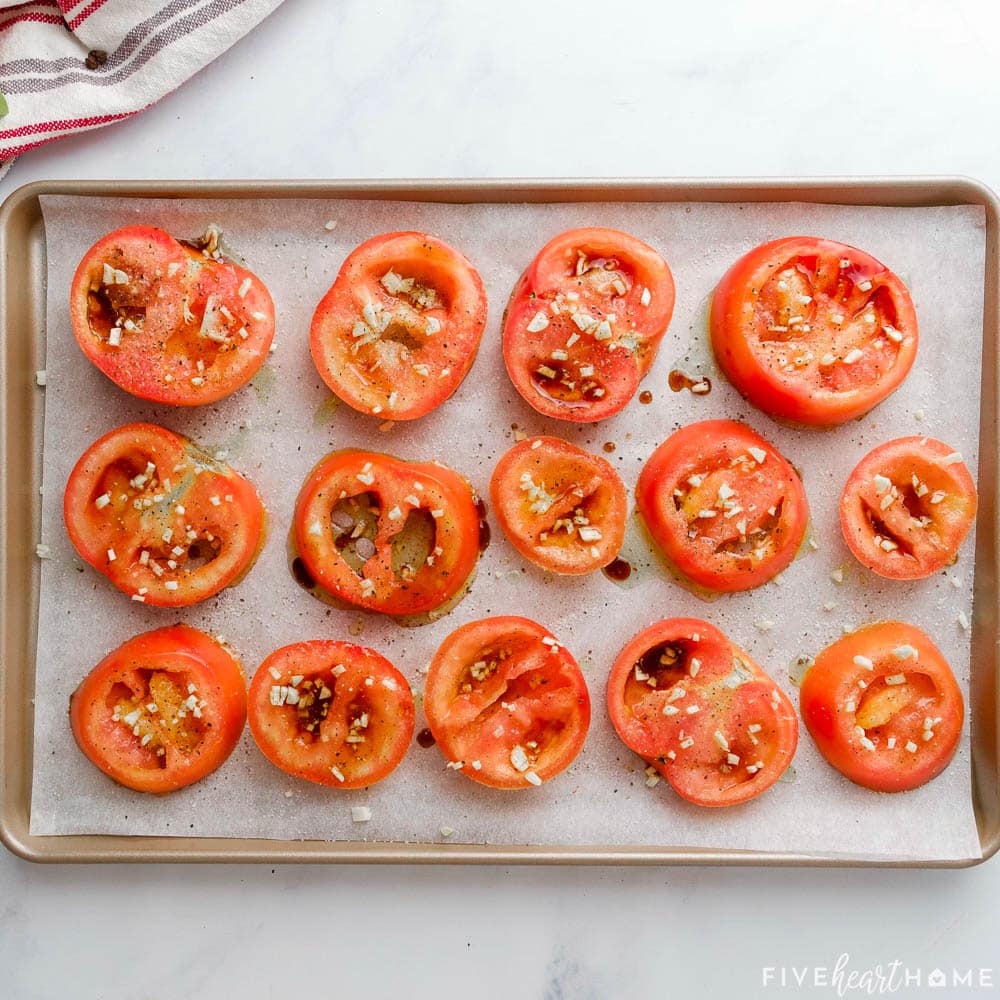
[
  {"x": 833, "y": 703},
  {"x": 536, "y": 678},
  {"x": 186, "y": 657},
  {"x": 749, "y": 301},
  {"x": 711, "y": 454},
  {"x": 111, "y": 466},
  {"x": 438, "y": 328},
  {"x": 575, "y": 480},
  {"x": 396, "y": 484},
  {"x": 386, "y": 707},
  {"x": 752, "y": 719},
  {"x": 944, "y": 496},
  {"x": 612, "y": 365},
  {"x": 170, "y": 285}
]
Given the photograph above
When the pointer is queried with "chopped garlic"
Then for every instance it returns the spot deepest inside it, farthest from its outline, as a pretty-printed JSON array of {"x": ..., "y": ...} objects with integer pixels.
[{"x": 538, "y": 322}]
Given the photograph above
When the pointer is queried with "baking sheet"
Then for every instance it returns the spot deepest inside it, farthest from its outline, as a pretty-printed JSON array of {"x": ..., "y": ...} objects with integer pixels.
[{"x": 287, "y": 425}]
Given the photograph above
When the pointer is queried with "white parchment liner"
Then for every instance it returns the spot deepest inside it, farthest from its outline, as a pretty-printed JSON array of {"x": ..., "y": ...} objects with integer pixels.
[{"x": 277, "y": 429}]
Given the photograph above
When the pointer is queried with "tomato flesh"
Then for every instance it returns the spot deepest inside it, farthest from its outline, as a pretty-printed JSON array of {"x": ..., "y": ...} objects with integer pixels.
[
  {"x": 332, "y": 713},
  {"x": 884, "y": 707},
  {"x": 701, "y": 712},
  {"x": 162, "y": 711},
  {"x": 907, "y": 508},
  {"x": 560, "y": 507},
  {"x": 399, "y": 329},
  {"x": 723, "y": 505},
  {"x": 584, "y": 323},
  {"x": 167, "y": 321},
  {"x": 163, "y": 520},
  {"x": 813, "y": 331},
  {"x": 507, "y": 704},
  {"x": 387, "y": 535}
]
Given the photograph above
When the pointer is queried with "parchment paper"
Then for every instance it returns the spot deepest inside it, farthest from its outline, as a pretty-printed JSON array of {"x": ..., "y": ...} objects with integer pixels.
[{"x": 276, "y": 429}]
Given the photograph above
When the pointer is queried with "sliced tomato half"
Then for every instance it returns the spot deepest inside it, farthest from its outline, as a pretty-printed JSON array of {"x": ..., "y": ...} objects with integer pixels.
[
  {"x": 884, "y": 707},
  {"x": 332, "y": 713},
  {"x": 162, "y": 711},
  {"x": 907, "y": 508},
  {"x": 723, "y": 504},
  {"x": 399, "y": 329},
  {"x": 507, "y": 704},
  {"x": 561, "y": 507},
  {"x": 163, "y": 520},
  {"x": 387, "y": 535},
  {"x": 813, "y": 331},
  {"x": 701, "y": 712},
  {"x": 167, "y": 321},
  {"x": 584, "y": 323}
]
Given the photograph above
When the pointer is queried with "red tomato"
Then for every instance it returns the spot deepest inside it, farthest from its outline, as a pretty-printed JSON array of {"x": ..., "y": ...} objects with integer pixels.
[
  {"x": 162, "y": 711},
  {"x": 387, "y": 535},
  {"x": 723, "y": 505},
  {"x": 399, "y": 329},
  {"x": 813, "y": 331},
  {"x": 167, "y": 321},
  {"x": 561, "y": 507},
  {"x": 584, "y": 322},
  {"x": 907, "y": 507},
  {"x": 331, "y": 712},
  {"x": 163, "y": 520},
  {"x": 506, "y": 703},
  {"x": 701, "y": 712},
  {"x": 883, "y": 707}
]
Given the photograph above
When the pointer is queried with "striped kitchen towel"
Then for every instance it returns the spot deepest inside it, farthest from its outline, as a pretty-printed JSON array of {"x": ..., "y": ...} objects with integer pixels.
[{"x": 71, "y": 65}]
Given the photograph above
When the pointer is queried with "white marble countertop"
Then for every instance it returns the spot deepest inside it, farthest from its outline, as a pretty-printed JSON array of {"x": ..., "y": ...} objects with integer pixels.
[{"x": 356, "y": 88}]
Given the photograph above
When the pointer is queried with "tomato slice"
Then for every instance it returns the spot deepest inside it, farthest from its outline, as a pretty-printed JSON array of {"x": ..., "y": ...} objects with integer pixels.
[
  {"x": 387, "y": 535},
  {"x": 701, "y": 712},
  {"x": 584, "y": 322},
  {"x": 561, "y": 507},
  {"x": 813, "y": 331},
  {"x": 724, "y": 506},
  {"x": 883, "y": 707},
  {"x": 162, "y": 711},
  {"x": 332, "y": 713},
  {"x": 163, "y": 520},
  {"x": 507, "y": 704},
  {"x": 907, "y": 508},
  {"x": 399, "y": 328},
  {"x": 168, "y": 321}
]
